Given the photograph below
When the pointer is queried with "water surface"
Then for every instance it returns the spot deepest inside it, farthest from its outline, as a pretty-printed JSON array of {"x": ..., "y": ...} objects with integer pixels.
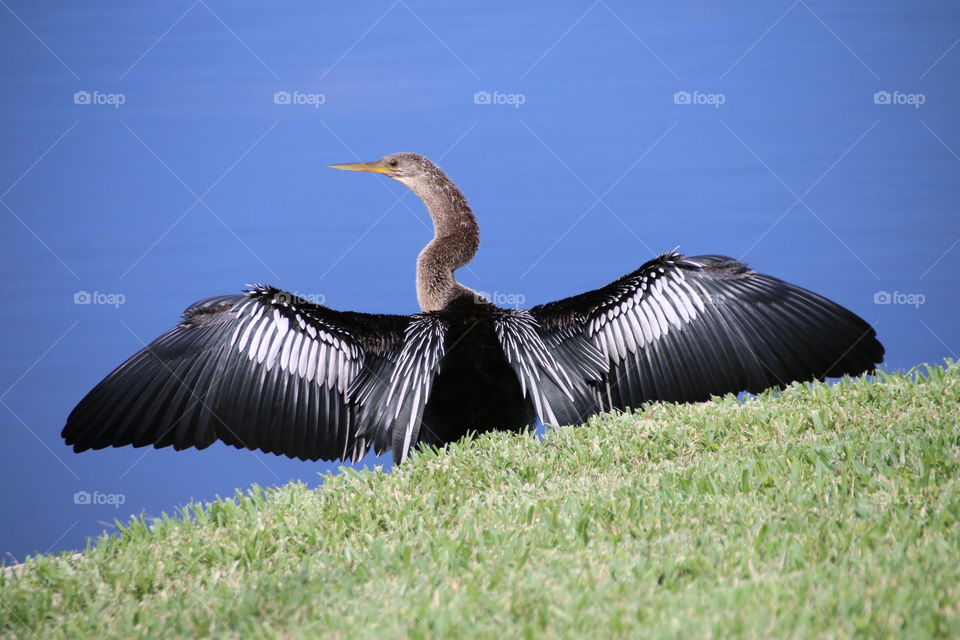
[{"x": 580, "y": 167}]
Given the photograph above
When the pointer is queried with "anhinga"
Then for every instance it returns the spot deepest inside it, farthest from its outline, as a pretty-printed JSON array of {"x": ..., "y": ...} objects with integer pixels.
[{"x": 267, "y": 370}]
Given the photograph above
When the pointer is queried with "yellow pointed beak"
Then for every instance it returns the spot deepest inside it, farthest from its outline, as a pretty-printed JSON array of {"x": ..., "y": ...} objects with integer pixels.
[{"x": 376, "y": 167}]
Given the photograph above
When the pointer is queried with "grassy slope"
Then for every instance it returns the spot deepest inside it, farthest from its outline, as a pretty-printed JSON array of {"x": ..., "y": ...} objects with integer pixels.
[{"x": 824, "y": 510}]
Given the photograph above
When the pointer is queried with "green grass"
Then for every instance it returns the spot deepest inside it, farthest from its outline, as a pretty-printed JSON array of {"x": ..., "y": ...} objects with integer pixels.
[{"x": 821, "y": 510}]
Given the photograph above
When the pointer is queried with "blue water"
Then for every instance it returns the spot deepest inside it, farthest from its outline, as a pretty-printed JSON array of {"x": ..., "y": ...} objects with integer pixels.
[{"x": 580, "y": 167}]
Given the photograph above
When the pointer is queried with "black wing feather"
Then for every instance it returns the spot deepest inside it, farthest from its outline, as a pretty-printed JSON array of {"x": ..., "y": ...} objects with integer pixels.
[
  {"x": 556, "y": 381},
  {"x": 263, "y": 370},
  {"x": 688, "y": 328}
]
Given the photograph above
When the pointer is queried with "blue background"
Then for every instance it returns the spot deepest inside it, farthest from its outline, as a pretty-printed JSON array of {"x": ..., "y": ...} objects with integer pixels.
[{"x": 199, "y": 182}]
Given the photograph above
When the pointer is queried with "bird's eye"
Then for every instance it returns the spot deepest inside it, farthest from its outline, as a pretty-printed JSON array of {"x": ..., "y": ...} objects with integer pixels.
[{"x": 393, "y": 163}]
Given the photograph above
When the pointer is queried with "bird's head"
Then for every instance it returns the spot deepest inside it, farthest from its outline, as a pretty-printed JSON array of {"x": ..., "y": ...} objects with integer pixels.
[{"x": 404, "y": 167}]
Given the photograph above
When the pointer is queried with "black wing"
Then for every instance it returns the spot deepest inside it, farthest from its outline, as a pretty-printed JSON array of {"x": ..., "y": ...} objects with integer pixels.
[
  {"x": 263, "y": 370},
  {"x": 687, "y": 328}
]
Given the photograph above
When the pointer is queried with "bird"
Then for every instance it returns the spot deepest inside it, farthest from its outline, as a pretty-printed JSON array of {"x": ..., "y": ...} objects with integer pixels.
[{"x": 268, "y": 370}]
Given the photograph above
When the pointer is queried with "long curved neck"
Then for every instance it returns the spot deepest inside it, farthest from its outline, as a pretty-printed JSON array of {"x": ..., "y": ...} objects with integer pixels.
[{"x": 455, "y": 241}]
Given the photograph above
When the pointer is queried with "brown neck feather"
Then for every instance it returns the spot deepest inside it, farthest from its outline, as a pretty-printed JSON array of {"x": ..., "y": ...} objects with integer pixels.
[{"x": 455, "y": 241}]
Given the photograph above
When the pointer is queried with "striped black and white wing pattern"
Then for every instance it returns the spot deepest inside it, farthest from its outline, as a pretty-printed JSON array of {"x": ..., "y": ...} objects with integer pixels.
[
  {"x": 557, "y": 381},
  {"x": 392, "y": 394},
  {"x": 262, "y": 370},
  {"x": 687, "y": 328}
]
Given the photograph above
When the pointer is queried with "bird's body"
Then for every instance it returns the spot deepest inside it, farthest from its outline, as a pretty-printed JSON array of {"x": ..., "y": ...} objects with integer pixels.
[
  {"x": 475, "y": 389},
  {"x": 267, "y": 370}
]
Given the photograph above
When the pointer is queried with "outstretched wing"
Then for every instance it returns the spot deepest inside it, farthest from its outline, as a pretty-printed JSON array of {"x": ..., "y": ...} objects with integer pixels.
[
  {"x": 687, "y": 328},
  {"x": 263, "y": 370}
]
